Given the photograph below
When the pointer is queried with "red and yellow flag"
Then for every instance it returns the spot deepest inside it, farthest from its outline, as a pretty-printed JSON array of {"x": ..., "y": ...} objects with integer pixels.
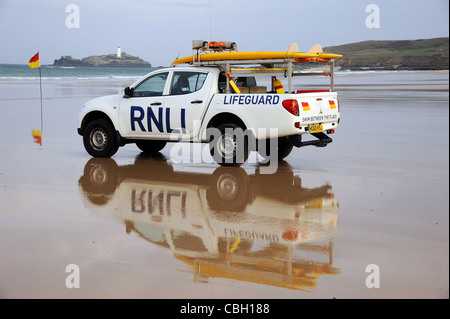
[
  {"x": 37, "y": 136},
  {"x": 34, "y": 61}
]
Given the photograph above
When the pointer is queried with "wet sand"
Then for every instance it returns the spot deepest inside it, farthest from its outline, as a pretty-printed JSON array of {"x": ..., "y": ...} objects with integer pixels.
[{"x": 148, "y": 227}]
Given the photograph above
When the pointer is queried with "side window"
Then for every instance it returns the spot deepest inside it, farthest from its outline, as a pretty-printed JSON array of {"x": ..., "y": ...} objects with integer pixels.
[
  {"x": 187, "y": 82},
  {"x": 152, "y": 86},
  {"x": 222, "y": 82}
]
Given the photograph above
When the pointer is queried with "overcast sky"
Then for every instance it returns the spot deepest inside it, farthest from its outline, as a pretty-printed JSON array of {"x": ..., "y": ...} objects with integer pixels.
[{"x": 159, "y": 31}]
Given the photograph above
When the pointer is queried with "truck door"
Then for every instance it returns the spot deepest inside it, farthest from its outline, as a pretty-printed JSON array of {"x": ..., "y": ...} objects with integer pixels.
[
  {"x": 143, "y": 114},
  {"x": 188, "y": 97}
]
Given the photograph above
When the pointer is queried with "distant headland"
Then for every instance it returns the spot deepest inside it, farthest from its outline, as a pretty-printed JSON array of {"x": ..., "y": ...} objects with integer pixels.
[
  {"x": 422, "y": 54},
  {"x": 118, "y": 60}
]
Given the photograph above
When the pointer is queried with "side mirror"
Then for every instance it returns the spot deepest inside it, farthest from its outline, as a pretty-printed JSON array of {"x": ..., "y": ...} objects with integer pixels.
[{"x": 128, "y": 92}]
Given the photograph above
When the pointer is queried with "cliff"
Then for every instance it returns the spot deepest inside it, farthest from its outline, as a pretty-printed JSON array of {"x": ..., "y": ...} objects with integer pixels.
[
  {"x": 110, "y": 60},
  {"x": 423, "y": 54}
]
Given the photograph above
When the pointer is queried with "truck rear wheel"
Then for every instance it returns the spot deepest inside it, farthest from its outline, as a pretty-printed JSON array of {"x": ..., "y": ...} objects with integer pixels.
[
  {"x": 228, "y": 145},
  {"x": 229, "y": 189},
  {"x": 283, "y": 150},
  {"x": 99, "y": 139}
]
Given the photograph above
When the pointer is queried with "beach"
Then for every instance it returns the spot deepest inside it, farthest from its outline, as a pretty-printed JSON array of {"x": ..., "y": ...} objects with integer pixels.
[{"x": 365, "y": 217}]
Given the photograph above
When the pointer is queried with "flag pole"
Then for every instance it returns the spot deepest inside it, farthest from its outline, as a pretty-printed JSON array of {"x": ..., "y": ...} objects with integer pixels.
[
  {"x": 40, "y": 87},
  {"x": 35, "y": 63}
]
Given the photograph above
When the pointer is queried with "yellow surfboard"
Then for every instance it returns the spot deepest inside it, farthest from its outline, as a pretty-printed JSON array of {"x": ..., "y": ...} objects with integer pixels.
[{"x": 258, "y": 55}]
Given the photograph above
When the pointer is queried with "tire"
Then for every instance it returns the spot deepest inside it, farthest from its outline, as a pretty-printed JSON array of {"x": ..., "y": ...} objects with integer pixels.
[
  {"x": 283, "y": 150},
  {"x": 151, "y": 146},
  {"x": 99, "y": 139},
  {"x": 229, "y": 190},
  {"x": 229, "y": 145},
  {"x": 99, "y": 180}
]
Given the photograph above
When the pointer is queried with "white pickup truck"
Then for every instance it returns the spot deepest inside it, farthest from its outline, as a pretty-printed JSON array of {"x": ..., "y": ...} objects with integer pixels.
[{"x": 197, "y": 103}]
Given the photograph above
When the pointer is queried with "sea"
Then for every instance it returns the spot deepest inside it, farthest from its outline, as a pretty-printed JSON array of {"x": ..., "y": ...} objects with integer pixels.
[
  {"x": 346, "y": 80},
  {"x": 49, "y": 73},
  {"x": 23, "y": 73}
]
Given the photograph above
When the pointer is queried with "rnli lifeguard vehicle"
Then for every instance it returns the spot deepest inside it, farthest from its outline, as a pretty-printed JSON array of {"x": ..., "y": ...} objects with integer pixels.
[{"x": 212, "y": 97}]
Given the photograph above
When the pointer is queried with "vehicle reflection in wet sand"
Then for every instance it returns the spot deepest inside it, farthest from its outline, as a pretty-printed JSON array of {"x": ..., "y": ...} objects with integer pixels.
[{"x": 259, "y": 228}]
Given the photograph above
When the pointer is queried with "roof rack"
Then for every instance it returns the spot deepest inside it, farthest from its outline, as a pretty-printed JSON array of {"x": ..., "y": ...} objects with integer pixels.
[{"x": 270, "y": 67}]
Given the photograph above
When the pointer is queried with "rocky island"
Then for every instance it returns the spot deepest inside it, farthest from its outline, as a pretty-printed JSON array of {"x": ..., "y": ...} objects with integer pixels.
[{"x": 120, "y": 60}]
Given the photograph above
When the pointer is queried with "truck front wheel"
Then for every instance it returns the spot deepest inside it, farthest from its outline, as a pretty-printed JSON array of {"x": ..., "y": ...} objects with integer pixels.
[
  {"x": 228, "y": 145},
  {"x": 99, "y": 139}
]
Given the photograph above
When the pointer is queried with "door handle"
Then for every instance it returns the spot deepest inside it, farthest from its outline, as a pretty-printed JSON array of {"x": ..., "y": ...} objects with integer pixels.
[
  {"x": 156, "y": 103},
  {"x": 196, "y": 102}
]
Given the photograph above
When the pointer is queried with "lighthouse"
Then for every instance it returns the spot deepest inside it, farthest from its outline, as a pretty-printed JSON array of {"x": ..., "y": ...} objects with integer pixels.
[{"x": 119, "y": 54}]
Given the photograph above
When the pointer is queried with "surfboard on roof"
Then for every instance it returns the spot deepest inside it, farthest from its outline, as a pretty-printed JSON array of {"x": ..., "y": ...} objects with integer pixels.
[{"x": 225, "y": 52}]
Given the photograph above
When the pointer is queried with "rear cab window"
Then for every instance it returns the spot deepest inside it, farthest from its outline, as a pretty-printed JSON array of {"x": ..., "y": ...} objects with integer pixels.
[{"x": 187, "y": 82}]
